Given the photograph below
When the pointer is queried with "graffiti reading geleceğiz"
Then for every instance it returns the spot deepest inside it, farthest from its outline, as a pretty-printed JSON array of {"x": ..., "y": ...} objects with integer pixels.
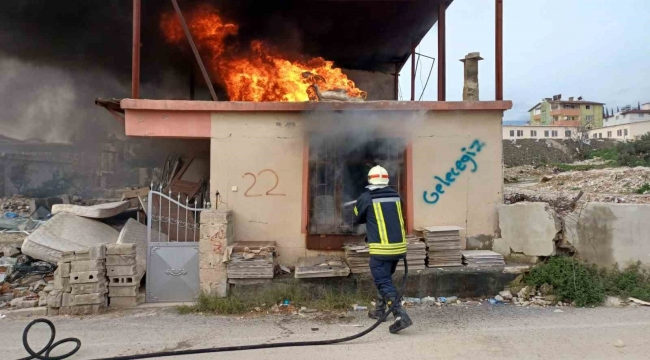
[{"x": 467, "y": 159}]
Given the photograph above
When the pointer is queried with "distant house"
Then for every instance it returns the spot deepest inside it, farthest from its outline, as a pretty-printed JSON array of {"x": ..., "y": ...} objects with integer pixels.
[
  {"x": 629, "y": 115},
  {"x": 572, "y": 112}
]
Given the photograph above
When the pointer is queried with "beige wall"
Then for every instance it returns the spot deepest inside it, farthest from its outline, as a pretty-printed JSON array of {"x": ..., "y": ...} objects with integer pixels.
[
  {"x": 251, "y": 142},
  {"x": 470, "y": 201},
  {"x": 540, "y": 132}
]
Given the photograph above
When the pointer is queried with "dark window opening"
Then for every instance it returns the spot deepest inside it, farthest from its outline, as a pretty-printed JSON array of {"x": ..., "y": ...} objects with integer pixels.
[{"x": 338, "y": 172}]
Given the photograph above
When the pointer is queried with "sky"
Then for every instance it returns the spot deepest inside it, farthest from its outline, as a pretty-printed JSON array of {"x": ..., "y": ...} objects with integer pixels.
[{"x": 597, "y": 49}]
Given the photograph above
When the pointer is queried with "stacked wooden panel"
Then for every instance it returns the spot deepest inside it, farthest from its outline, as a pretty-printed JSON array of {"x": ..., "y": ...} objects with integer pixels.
[
  {"x": 479, "y": 258},
  {"x": 321, "y": 266},
  {"x": 416, "y": 254},
  {"x": 251, "y": 260},
  {"x": 357, "y": 256},
  {"x": 443, "y": 243}
]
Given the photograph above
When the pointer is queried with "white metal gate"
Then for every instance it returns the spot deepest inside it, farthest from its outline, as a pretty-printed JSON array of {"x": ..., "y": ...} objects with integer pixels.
[{"x": 173, "y": 231}]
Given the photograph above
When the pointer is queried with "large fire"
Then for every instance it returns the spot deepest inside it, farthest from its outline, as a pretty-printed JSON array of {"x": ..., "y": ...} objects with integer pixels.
[{"x": 260, "y": 73}]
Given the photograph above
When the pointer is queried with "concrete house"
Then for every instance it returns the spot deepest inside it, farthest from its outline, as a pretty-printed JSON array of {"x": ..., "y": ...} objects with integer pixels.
[
  {"x": 572, "y": 112},
  {"x": 283, "y": 170}
]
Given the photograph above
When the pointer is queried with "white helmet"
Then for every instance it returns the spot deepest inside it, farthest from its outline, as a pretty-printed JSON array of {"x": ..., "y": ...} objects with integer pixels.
[{"x": 378, "y": 176}]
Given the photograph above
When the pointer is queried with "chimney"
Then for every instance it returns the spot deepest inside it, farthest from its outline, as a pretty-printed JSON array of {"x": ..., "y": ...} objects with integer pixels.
[
  {"x": 470, "y": 88},
  {"x": 570, "y": 98}
]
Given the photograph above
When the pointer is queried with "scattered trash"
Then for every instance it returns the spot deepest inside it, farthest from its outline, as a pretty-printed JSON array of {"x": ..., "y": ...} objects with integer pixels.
[
  {"x": 285, "y": 302},
  {"x": 442, "y": 299},
  {"x": 558, "y": 311},
  {"x": 499, "y": 298},
  {"x": 506, "y": 295},
  {"x": 10, "y": 215},
  {"x": 429, "y": 300},
  {"x": 451, "y": 299},
  {"x": 307, "y": 311},
  {"x": 619, "y": 343},
  {"x": 356, "y": 307},
  {"x": 2, "y": 316},
  {"x": 640, "y": 302},
  {"x": 612, "y": 301},
  {"x": 493, "y": 301},
  {"x": 412, "y": 300}
]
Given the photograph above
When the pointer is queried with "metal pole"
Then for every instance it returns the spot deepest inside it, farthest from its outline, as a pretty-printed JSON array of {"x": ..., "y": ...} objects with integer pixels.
[
  {"x": 396, "y": 81},
  {"x": 442, "y": 52},
  {"x": 206, "y": 76},
  {"x": 135, "y": 56},
  {"x": 178, "y": 214},
  {"x": 499, "y": 50},
  {"x": 413, "y": 73},
  {"x": 187, "y": 210}
]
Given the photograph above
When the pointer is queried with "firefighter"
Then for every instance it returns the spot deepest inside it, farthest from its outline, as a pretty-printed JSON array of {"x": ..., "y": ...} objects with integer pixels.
[{"x": 380, "y": 208}]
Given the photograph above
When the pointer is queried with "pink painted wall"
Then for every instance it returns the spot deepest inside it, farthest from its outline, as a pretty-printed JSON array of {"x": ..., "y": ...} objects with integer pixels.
[{"x": 167, "y": 123}]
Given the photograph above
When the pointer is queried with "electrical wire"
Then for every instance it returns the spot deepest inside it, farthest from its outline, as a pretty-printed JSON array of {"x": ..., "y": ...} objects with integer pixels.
[
  {"x": 433, "y": 61},
  {"x": 44, "y": 354}
]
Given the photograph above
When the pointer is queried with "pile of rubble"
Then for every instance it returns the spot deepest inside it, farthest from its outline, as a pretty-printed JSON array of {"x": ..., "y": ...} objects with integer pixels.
[
  {"x": 622, "y": 180},
  {"x": 15, "y": 204}
]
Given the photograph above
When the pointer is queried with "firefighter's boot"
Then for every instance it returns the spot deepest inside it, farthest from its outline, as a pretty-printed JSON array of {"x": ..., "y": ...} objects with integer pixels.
[
  {"x": 380, "y": 309},
  {"x": 402, "y": 319}
]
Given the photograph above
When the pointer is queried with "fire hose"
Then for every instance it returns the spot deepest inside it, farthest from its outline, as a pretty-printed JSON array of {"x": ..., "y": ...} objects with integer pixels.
[{"x": 44, "y": 354}]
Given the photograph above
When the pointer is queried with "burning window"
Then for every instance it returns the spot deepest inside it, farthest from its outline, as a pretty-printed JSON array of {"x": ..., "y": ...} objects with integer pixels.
[{"x": 338, "y": 172}]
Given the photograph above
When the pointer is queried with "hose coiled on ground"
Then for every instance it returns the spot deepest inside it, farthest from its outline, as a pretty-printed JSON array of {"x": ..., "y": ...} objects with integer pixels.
[{"x": 44, "y": 354}]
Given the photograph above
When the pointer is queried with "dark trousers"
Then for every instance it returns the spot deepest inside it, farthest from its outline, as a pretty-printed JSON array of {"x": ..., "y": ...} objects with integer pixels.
[{"x": 382, "y": 269}]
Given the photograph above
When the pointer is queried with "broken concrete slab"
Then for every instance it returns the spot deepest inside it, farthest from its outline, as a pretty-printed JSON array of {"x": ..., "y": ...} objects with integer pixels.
[
  {"x": 529, "y": 228},
  {"x": 135, "y": 233},
  {"x": 101, "y": 211},
  {"x": 66, "y": 232},
  {"x": 605, "y": 233},
  {"x": 47, "y": 204}
]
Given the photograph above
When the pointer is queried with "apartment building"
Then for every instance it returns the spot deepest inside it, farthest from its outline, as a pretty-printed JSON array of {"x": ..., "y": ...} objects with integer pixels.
[{"x": 572, "y": 112}]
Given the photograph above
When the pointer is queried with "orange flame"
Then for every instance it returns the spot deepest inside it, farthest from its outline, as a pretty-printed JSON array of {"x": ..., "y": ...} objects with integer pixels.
[{"x": 261, "y": 74}]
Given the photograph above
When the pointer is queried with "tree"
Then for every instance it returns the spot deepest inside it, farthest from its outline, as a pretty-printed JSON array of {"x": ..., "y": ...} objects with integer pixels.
[{"x": 19, "y": 176}]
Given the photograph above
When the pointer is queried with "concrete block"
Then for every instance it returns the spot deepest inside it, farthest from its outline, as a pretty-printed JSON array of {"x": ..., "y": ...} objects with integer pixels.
[
  {"x": 54, "y": 299},
  {"x": 135, "y": 233},
  {"x": 123, "y": 281},
  {"x": 67, "y": 256},
  {"x": 65, "y": 310},
  {"x": 86, "y": 277},
  {"x": 88, "y": 265},
  {"x": 500, "y": 246},
  {"x": 84, "y": 309},
  {"x": 95, "y": 252},
  {"x": 64, "y": 268},
  {"x": 82, "y": 255},
  {"x": 42, "y": 298},
  {"x": 117, "y": 291},
  {"x": 606, "y": 233},
  {"x": 120, "y": 260},
  {"x": 529, "y": 228},
  {"x": 213, "y": 281},
  {"x": 98, "y": 287},
  {"x": 52, "y": 311},
  {"x": 89, "y": 299},
  {"x": 67, "y": 300},
  {"x": 129, "y": 270},
  {"x": 120, "y": 249},
  {"x": 124, "y": 302}
]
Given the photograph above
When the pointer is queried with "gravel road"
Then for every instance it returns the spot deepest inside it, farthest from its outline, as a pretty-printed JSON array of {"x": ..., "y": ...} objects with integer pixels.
[{"x": 487, "y": 332}]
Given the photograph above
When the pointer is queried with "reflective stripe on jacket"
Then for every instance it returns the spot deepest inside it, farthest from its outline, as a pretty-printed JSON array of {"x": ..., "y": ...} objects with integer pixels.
[{"x": 381, "y": 211}]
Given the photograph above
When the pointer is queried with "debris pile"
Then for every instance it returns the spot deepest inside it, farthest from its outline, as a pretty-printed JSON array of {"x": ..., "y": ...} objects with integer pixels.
[
  {"x": 16, "y": 204},
  {"x": 357, "y": 256},
  {"x": 123, "y": 275},
  {"x": 623, "y": 180},
  {"x": 251, "y": 260},
  {"x": 443, "y": 245},
  {"x": 321, "y": 266},
  {"x": 480, "y": 258}
]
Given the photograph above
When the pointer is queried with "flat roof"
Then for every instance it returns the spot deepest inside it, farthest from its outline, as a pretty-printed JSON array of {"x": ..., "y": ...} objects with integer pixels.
[
  {"x": 582, "y": 102},
  {"x": 244, "y": 106}
]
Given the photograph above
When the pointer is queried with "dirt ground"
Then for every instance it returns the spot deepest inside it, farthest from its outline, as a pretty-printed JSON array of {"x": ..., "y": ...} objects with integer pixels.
[{"x": 486, "y": 331}]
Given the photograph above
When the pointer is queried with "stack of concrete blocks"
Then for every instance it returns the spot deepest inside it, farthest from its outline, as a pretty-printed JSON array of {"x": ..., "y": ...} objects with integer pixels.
[
  {"x": 80, "y": 286},
  {"x": 124, "y": 279}
]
